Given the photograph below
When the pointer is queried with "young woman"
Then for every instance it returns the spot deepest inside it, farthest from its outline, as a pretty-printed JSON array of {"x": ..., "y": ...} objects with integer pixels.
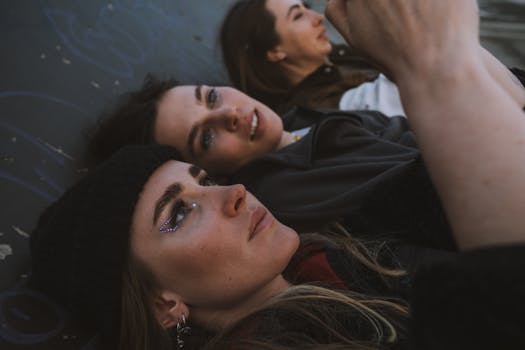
[
  {"x": 309, "y": 169},
  {"x": 171, "y": 250},
  {"x": 359, "y": 168},
  {"x": 278, "y": 52}
]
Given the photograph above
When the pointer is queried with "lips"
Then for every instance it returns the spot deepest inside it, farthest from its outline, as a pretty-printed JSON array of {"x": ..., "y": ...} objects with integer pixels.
[
  {"x": 256, "y": 125},
  {"x": 260, "y": 220},
  {"x": 253, "y": 125},
  {"x": 322, "y": 35}
]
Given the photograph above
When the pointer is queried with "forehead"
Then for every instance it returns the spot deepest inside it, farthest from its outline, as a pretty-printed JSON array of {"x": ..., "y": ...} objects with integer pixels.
[
  {"x": 280, "y": 7},
  {"x": 164, "y": 176},
  {"x": 178, "y": 103},
  {"x": 168, "y": 173},
  {"x": 177, "y": 111}
]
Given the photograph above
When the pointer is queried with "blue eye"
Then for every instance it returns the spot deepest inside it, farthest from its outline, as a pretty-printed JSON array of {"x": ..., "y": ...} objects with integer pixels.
[
  {"x": 207, "y": 137},
  {"x": 212, "y": 97},
  {"x": 179, "y": 213}
]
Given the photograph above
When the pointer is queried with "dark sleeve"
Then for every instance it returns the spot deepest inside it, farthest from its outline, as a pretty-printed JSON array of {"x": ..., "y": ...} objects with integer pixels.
[
  {"x": 474, "y": 302},
  {"x": 520, "y": 74}
]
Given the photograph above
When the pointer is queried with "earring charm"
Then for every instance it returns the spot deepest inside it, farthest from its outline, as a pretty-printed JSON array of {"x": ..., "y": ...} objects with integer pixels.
[{"x": 182, "y": 330}]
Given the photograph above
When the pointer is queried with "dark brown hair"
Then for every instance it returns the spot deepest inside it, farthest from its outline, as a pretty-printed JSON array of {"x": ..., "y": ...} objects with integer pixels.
[
  {"x": 247, "y": 34},
  {"x": 130, "y": 121}
]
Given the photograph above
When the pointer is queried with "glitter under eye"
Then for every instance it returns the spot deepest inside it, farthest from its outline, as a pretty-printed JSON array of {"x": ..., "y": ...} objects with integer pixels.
[
  {"x": 207, "y": 139},
  {"x": 180, "y": 212}
]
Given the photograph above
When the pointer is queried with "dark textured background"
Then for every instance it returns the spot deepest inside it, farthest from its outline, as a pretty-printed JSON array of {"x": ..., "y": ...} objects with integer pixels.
[{"x": 61, "y": 62}]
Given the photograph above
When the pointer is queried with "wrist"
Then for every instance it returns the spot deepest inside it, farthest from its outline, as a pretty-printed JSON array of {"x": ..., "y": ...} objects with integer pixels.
[{"x": 440, "y": 77}]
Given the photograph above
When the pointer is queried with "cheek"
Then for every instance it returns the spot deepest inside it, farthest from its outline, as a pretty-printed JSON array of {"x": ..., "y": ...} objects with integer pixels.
[
  {"x": 229, "y": 152},
  {"x": 294, "y": 38},
  {"x": 177, "y": 269},
  {"x": 207, "y": 248},
  {"x": 191, "y": 255},
  {"x": 275, "y": 132}
]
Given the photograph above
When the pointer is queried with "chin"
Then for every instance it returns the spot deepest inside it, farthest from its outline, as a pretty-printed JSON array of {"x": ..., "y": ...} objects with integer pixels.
[
  {"x": 328, "y": 48},
  {"x": 289, "y": 238}
]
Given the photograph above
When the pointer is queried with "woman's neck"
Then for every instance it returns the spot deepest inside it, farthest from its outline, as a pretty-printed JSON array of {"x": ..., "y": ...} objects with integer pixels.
[
  {"x": 217, "y": 319},
  {"x": 296, "y": 72}
]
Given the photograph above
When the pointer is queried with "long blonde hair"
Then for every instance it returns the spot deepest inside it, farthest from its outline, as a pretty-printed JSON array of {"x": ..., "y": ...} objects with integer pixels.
[
  {"x": 313, "y": 317},
  {"x": 367, "y": 253},
  {"x": 302, "y": 317},
  {"x": 139, "y": 328}
]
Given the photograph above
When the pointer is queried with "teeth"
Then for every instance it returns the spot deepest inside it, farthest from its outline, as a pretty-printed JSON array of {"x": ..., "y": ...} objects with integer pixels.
[{"x": 255, "y": 122}]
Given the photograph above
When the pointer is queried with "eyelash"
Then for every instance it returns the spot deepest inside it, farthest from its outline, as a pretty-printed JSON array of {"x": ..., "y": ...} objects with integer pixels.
[
  {"x": 182, "y": 208},
  {"x": 207, "y": 137},
  {"x": 174, "y": 221},
  {"x": 207, "y": 181},
  {"x": 306, "y": 5},
  {"x": 212, "y": 97}
]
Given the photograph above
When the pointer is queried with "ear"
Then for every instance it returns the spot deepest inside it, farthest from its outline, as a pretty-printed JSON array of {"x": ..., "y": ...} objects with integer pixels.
[
  {"x": 169, "y": 308},
  {"x": 275, "y": 54}
]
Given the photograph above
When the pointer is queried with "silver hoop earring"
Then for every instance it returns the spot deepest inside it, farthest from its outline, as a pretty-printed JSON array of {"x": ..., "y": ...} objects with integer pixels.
[{"x": 182, "y": 330}]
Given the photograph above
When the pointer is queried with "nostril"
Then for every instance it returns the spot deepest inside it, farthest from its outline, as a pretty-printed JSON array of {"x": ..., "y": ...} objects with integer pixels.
[{"x": 238, "y": 203}]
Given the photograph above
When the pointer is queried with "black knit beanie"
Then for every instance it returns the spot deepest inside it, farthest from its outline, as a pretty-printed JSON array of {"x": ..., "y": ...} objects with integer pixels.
[{"x": 80, "y": 245}]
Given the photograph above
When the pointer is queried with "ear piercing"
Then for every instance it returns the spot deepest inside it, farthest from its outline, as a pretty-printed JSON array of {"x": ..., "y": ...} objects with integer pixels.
[{"x": 182, "y": 330}]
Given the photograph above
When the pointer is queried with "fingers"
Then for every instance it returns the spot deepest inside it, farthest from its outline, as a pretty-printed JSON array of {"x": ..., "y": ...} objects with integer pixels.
[
  {"x": 356, "y": 21},
  {"x": 401, "y": 35},
  {"x": 336, "y": 13}
]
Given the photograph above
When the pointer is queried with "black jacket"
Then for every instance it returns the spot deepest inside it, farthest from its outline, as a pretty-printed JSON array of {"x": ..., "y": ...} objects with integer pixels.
[
  {"x": 361, "y": 168},
  {"x": 472, "y": 302}
]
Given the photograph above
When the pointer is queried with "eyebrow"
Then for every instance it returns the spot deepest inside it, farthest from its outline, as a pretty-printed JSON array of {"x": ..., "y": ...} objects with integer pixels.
[
  {"x": 198, "y": 93},
  {"x": 169, "y": 195},
  {"x": 293, "y": 7},
  {"x": 191, "y": 139},
  {"x": 194, "y": 171},
  {"x": 195, "y": 128}
]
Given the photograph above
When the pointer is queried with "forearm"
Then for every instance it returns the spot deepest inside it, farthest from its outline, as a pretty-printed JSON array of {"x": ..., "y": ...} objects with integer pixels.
[
  {"x": 470, "y": 128},
  {"x": 504, "y": 77},
  {"x": 472, "y": 137}
]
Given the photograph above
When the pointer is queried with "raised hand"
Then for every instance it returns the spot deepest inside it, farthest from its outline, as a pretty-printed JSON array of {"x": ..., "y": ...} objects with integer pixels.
[
  {"x": 402, "y": 36},
  {"x": 469, "y": 125}
]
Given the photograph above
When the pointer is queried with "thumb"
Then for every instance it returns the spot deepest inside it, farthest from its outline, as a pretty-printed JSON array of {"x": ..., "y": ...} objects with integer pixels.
[{"x": 336, "y": 12}]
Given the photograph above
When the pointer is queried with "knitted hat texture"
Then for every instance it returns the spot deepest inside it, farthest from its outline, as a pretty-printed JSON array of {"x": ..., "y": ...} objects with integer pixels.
[{"x": 80, "y": 245}]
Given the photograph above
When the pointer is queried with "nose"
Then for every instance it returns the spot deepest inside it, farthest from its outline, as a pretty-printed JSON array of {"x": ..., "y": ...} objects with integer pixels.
[
  {"x": 317, "y": 18},
  {"x": 234, "y": 199},
  {"x": 228, "y": 116},
  {"x": 232, "y": 120}
]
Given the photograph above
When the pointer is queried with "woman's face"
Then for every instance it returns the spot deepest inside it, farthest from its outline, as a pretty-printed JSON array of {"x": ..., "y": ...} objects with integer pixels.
[
  {"x": 213, "y": 246},
  {"x": 218, "y": 128},
  {"x": 301, "y": 31}
]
